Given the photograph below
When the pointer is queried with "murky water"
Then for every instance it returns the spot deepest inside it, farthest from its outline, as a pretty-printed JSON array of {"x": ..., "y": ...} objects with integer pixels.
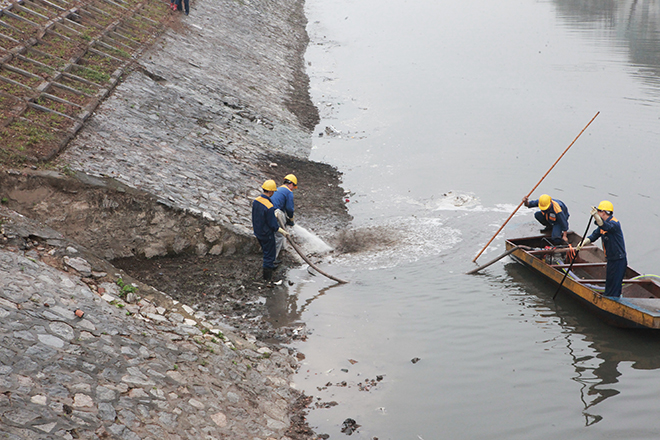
[{"x": 442, "y": 115}]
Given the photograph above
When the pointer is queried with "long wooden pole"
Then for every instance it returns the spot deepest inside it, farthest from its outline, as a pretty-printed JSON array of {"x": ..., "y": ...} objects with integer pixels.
[
  {"x": 494, "y": 260},
  {"x": 536, "y": 186}
]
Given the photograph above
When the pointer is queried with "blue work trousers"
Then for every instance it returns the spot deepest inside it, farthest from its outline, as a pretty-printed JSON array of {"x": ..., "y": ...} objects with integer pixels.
[
  {"x": 185, "y": 7},
  {"x": 269, "y": 248},
  {"x": 616, "y": 270},
  {"x": 556, "y": 228}
]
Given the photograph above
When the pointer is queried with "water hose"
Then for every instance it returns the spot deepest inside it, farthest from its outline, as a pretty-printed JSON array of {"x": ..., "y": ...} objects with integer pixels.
[
  {"x": 304, "y": 257},
  {"x": 302, "y": 254}
]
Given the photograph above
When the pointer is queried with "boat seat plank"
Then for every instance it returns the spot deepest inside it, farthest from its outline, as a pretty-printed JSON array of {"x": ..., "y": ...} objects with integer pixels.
[
  {"x": 557, "y": 250},
  {"x": 578, "y": 265}
]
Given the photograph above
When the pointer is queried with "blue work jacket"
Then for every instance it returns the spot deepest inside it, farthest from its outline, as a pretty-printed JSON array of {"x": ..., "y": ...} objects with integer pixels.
[
  {"x": 283, "y": 200},
  {"x": 557, "y": 213},
  {"x": 264, "y": 222},
  {"x": 612, "y": 236}
]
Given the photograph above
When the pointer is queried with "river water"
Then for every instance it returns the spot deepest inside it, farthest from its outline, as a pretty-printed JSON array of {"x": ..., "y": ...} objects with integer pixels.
[{"x": 442, "y": 116}]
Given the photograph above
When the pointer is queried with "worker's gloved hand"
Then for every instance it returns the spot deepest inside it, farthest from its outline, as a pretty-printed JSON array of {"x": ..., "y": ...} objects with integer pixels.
[
  {"x": 593, "y": 212},
  {"x": 289, "y": 221},
  {"x": 526, "y": 201},
  {"x": 598, "y": 219},
  {"x": 584, "y": 242},
  {"x": 283, "y": 232}
]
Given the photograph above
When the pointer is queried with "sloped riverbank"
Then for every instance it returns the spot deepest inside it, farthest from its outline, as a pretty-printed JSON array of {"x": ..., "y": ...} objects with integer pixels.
[{"x": 143, "y": 225}]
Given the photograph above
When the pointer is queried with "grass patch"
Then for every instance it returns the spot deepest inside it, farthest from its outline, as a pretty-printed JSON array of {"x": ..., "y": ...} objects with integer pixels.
[
  {"x": 32, "y": 17},
  {"x": 40, "y": 9},
  {"x": 28, "y": 29},
  {"x": 31, "y": 133},
  {"x": 16, "y": 34},
  {"x": 103, "y": 64},
  {"x": 35, "y": 69},
  {"x": 89, "y": 74},
  {"x": 15, "y": 90},
  {"x": 65, "y": 108},
  {"x": 37, "y": 55},
  {"x": 115, "y": 52},
  {"x": 48, "y": 119},
  {"x": 24, "y": 139},
  {"x": 67, "y": 95},
  {"x": 10, "y": 106},
  {"x": 78, "y": 85},
  {"x": 60, "y": 47}
]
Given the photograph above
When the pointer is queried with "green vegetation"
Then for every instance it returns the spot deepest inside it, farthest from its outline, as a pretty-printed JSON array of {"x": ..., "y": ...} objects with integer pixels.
[
  {"x": 35, "y": 135},
  {"x": 125, "y": 288},
  {"x": 91, "y": 75},
  {"x": 67, "y": 171}
]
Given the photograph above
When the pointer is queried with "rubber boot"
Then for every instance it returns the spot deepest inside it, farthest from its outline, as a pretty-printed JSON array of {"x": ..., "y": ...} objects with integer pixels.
[{"x": 268, "y": 274}]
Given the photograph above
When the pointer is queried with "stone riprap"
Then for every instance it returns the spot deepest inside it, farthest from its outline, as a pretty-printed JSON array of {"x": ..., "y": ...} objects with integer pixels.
[{"x": 142, "y": 370}]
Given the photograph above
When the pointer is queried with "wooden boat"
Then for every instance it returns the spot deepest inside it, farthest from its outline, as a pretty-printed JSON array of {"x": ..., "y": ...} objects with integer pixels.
[{"x": 639, "y": 305}]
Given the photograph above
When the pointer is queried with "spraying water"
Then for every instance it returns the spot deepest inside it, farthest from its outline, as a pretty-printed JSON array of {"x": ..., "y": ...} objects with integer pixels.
[{"x": 311, "y": 242}]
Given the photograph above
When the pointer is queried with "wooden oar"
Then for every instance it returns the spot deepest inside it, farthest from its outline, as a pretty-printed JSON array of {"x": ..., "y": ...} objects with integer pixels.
[
  {"x": 574, "y": 258},
  {"x": 530, "y": 193}
]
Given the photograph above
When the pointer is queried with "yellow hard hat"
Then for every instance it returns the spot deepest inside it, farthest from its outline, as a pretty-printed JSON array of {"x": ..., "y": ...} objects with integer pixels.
[
  {"x": 605, "y": 205},
  {"x": 269, "y": 185},
  {"x": 544, "y": 202},
  {"x": 291, "y": 178}
]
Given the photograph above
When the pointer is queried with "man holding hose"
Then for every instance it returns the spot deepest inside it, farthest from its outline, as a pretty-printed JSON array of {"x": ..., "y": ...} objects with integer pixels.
[{"x": 283, "y": 202}]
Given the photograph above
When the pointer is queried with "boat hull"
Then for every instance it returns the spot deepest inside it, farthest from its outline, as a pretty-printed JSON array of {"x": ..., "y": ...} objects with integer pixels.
[{"x": 643, "y": 311}]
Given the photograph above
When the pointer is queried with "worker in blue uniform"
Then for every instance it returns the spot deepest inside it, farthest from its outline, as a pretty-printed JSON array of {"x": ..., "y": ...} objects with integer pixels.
[
  {"x": 553, "y": 215},
  {"x": 264, "y": 225},
  {"x": 284, "y": 209},
  {"x": 609, "y": 231}
]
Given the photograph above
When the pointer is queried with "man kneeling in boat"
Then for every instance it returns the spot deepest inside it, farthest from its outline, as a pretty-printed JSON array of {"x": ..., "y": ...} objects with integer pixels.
[
  {"x": 553, "y": 215},
  {"x": 609, "y": 230}
]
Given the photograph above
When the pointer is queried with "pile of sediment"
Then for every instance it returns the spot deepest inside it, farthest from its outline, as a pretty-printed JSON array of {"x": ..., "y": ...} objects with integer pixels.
[{"x": 166, "y": 166}]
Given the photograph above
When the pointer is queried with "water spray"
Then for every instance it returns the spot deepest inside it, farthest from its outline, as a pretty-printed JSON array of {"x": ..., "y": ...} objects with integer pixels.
[{"x": 316, "y": 241}]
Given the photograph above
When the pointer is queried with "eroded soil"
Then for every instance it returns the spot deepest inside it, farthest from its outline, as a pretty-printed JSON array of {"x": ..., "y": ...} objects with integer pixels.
[{"x": 231, "y": 287}]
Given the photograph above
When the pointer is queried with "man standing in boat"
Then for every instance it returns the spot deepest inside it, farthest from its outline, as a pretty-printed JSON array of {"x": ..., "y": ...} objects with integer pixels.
[
  {"x": 553, "y": 215},
  {"x": 609, "y": 230}
]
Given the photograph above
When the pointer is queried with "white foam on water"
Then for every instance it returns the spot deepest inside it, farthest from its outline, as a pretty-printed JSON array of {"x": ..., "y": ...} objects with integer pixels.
[
  {"x": 310, "y": 241},
  {"x": 418, "y": 237},
  {"x": 450, "y": 201}
]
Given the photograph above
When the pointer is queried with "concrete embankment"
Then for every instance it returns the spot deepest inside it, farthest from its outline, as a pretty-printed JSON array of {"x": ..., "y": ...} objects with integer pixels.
[{"x": 167, "y": 165}]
